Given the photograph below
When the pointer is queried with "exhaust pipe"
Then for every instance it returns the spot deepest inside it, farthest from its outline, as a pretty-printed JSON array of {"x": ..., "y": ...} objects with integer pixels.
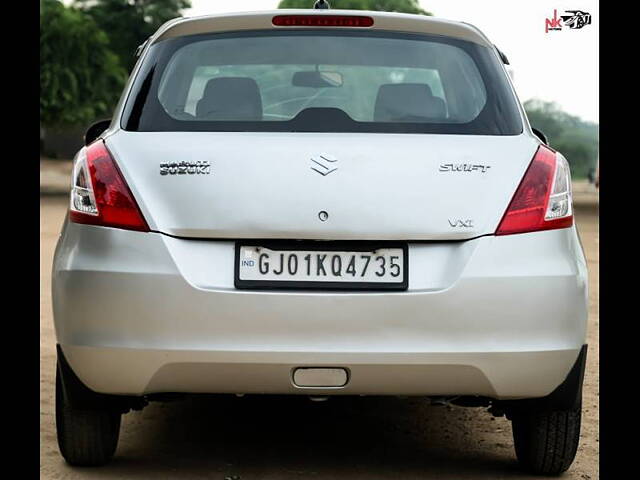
[
  {"x": 441, "y": 401},
  {"x": 316, "y": 398}
]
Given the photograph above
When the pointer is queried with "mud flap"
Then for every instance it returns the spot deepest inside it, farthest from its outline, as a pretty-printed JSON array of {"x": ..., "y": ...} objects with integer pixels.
[
  {"x": 567, "y": 396},
  {"x": 81, "y": 397}
]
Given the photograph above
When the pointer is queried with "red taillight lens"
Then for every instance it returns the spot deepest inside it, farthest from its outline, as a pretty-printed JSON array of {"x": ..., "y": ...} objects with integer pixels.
[
  {"x": 104, "y": 197},
  {"x": 543, "y": 198},
  {"x": 322, "y": 21}
]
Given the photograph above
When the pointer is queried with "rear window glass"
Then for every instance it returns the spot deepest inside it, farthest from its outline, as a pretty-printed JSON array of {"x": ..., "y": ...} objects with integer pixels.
[{"x": 322, "y": 81}]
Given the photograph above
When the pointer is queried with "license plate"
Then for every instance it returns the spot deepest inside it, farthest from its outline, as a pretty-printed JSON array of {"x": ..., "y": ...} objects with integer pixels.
[{"x": 318, "y": 267}]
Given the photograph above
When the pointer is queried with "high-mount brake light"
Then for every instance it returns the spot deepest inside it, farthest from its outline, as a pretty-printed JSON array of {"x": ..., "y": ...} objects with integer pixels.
[
  {"x": 99, "y": 195},
  {"x": 543, "y": 198},
  {"x": 322, "y": 21}
]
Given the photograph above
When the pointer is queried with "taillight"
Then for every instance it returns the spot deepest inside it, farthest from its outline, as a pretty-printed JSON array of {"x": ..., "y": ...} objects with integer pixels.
[
  {"x": 322, "y": 21},
  {"x": 99, "y": 194},
  {"x": 543, "y": 198}
]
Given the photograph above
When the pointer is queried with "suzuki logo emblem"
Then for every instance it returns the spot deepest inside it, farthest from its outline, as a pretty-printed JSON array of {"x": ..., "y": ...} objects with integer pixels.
[{"x": 323, "y": 164}]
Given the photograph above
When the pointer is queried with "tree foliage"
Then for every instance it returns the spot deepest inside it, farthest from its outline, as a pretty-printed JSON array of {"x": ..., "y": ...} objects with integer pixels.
[
  {"x": 80, "y": 77},
  {"x": 130, "y": 22},
  {"x": 403, "y": 6},
  {"x": 576, "y": 139}
]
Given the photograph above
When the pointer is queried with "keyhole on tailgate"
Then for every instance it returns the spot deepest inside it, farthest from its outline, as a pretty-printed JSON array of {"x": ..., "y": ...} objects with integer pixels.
[{"x": 323, "y": 216}]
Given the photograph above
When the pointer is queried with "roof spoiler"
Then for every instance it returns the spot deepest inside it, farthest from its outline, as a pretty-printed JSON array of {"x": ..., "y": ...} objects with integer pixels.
[
  {"x": 141, "y": 47},
  {"x": 502, "y": 56}
]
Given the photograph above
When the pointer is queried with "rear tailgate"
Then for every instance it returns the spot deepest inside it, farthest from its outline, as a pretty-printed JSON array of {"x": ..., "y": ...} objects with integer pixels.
[{"x": 267, "y": 185}]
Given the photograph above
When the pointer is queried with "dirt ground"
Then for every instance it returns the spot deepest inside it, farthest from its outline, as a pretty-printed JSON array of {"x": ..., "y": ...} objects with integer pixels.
[{"x": 292, "y": 438}]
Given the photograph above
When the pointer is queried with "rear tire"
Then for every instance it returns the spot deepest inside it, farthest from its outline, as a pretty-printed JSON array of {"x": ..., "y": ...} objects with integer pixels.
[
  {"x": 546, "y": 442},
  {"x": 85, "y": 437}
]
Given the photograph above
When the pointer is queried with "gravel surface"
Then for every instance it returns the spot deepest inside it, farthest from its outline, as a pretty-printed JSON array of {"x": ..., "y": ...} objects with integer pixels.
[
  {"x": 55, "y": 176},
  {"x": 293, "y": 438}
]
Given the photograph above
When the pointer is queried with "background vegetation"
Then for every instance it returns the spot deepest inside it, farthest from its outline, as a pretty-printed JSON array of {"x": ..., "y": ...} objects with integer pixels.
[
  {"x": 80, "y": 76},
  {"x": 576, "y": 139},
  {"x": 130, "y": 22},
  {"x": 87, "y": 51}
]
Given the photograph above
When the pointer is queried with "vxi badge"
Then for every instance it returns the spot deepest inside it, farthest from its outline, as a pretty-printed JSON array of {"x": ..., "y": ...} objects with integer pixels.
[
  {"x": 463, "y": 167},
  {"x": 462, "y": 223},
  {"x": 186, "y": 168}
]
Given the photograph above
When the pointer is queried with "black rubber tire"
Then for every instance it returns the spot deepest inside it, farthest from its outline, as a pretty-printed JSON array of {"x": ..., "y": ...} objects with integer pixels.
[
  {"x": 546, "y": 442},
  {"x": 85, "y": 437}
]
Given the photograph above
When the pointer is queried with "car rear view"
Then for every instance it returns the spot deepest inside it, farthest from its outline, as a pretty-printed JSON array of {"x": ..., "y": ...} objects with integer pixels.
[{"x": 335, "y": 203}]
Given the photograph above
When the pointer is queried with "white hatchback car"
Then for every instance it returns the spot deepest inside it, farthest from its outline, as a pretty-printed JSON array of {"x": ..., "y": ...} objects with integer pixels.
[{"x": 320, "y": 203}]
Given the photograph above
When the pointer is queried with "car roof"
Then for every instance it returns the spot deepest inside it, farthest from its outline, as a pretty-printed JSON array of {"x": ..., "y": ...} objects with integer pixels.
[{"x": 384, "y": 21}]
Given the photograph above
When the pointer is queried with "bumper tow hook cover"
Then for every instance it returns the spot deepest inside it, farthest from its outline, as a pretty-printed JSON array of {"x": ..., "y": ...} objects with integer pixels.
[{"x": 320, "y": 377}]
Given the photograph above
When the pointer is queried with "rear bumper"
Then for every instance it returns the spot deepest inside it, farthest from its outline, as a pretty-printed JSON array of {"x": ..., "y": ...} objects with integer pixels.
[
  {"x": 140, "y": 313},
  {"x": 501, "y": 375}
]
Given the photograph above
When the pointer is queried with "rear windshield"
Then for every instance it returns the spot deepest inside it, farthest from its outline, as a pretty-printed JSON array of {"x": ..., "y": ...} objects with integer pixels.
[{"x": 322, "y": 81}]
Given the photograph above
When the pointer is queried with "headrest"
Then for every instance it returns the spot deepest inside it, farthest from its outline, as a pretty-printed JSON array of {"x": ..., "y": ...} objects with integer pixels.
[
  {"x": 407, "y": 102},
  {"x": 230, "y": 98}
]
